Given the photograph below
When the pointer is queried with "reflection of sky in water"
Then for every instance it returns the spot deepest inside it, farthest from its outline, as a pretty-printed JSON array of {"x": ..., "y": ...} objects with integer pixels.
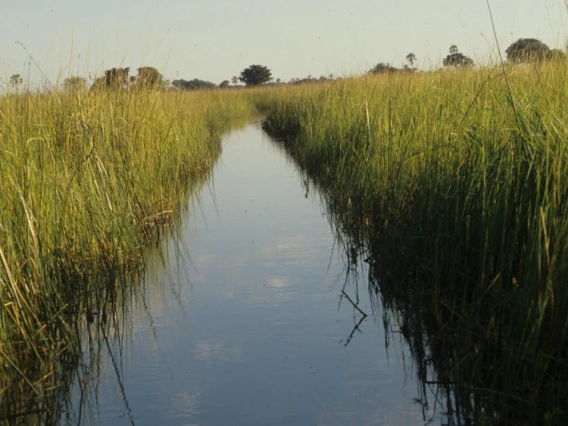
[{"x": 244, "y": 327}]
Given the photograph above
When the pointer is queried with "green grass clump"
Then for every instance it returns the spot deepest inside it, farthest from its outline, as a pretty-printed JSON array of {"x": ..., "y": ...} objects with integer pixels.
[
  {"x": 88, "y": 179},
  {"x": 458, "y": 182}
]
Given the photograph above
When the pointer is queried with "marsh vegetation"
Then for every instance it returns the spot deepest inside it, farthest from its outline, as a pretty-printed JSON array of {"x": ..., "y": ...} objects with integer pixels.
[
  {"x": 89, "y": 180},
  {"x": 452, "y": 185}
]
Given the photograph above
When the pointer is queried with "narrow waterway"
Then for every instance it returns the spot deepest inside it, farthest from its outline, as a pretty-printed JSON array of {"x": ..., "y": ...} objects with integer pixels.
[{"x": 243, "y": 322}]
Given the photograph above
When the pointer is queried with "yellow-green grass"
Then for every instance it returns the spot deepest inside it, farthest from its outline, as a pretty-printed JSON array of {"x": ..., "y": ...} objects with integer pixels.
[
  {"x": 458, "y": 181},
  {"x": 87, "y": 180}
]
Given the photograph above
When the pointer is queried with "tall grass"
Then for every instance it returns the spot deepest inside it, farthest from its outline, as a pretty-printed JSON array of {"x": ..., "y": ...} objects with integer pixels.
[
  {"x": 87, "y": 180},
  {"x": 457, "y": 182}
]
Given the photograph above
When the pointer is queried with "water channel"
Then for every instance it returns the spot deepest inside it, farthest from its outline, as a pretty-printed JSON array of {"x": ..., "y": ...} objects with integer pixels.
[{"x": 243, "y": 321}]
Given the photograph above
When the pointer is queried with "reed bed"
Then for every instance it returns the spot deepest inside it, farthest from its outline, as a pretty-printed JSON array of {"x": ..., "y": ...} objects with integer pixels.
[
  {"x": 88, "y": 180},
  {"x": 455, "y": 182}
]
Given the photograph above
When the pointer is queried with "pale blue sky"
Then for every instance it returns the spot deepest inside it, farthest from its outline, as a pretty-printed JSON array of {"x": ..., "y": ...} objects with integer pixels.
[{"x": 215, "y": 39}]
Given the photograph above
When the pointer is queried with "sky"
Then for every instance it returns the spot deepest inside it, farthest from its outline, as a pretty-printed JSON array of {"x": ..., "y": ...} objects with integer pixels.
[{"x": 215, "y": 40}]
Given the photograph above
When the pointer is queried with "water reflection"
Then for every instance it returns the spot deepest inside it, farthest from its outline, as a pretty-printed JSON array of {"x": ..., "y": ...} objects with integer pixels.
[{"x": 256, "y": 312}]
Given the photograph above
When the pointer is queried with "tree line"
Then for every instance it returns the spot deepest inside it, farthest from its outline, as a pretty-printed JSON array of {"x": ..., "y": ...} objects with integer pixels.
[
  {"x": 524, "y": 50},
  {"x": 150, "y": 78}
]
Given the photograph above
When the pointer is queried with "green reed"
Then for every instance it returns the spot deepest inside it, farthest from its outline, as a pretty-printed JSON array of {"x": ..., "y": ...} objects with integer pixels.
[
  {"x": 458, "y": 182},
  {"x": 88, "y": 180}
]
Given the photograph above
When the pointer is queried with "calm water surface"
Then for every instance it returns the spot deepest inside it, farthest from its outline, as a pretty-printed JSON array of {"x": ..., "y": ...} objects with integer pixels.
[{"x": 243, "y": 322}]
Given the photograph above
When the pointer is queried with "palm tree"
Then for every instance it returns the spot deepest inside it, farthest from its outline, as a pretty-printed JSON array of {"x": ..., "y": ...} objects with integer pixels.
[
  {"x": 411, "y": 57},
  {"x": 16, "y": 80}
]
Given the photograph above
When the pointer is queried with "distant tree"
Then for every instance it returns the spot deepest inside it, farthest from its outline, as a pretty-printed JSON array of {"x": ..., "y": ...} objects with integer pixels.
[
  {"x": 115, "y": 78},
  {"x": 308, "y": 79},
  {"x": 149, "y": 78},
  {"x": 224, "y": 84},
  {"x": 383, "y": 68},
  {"x": 75, "y": 84},
  {"x": 305, "y": 80},
  {"x": 457, "y": 59},
  {"x": 16, "y": 81},
  {"x": 255, "y": 75},
  {"x": 411, "y": 57},
  {"x": 194, "y": 84},
  {"x": 530, "y": 50},
  {"x": 235, "y": 80}
]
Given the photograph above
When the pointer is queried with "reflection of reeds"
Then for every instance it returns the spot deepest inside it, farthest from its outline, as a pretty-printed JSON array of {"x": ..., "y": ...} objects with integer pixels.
[
  {"x": 88, "y": 180},
  {"x": 458, "y": 185}
]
